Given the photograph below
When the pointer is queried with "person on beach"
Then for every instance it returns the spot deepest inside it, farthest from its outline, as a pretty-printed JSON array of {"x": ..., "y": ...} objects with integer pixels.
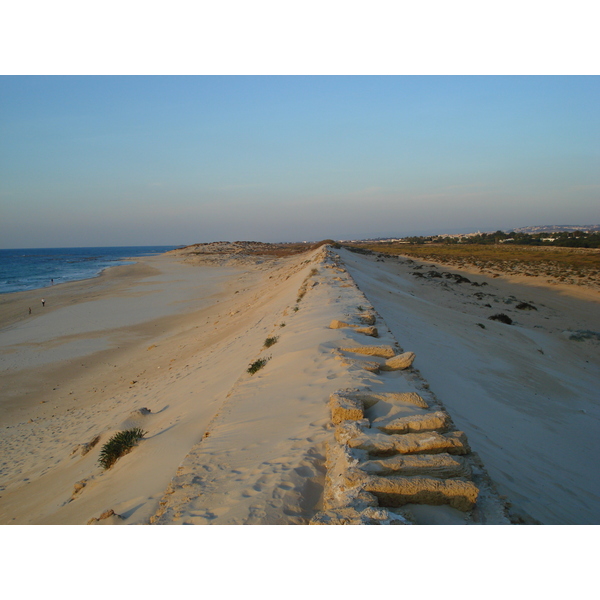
[
  {"x": 30, "y": 310},
  {"x": 43, "y": 302}
]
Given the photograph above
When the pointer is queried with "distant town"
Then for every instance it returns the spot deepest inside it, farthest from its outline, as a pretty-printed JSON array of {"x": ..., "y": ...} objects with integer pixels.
[{"x": 586, "y": 236}]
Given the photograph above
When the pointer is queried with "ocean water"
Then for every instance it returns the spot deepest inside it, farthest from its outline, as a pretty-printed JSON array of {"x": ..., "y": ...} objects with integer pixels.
[{"x": 31, "y": 268}]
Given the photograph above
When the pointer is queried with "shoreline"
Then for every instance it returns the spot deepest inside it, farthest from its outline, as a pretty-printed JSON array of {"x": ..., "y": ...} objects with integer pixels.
[
  {"x": 62, "y": 294},
  {"x": 105, "y": 256}
]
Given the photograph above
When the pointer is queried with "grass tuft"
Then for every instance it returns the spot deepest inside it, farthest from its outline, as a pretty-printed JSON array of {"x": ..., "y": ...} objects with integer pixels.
[
  {"x": 257, "y": 365},
  {"x": 119, "y": 444},
  {"x": 270, "y": 341}
]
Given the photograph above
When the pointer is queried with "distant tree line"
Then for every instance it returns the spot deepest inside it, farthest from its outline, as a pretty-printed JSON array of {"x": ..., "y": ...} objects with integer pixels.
[{"x": 575, "y": 239}]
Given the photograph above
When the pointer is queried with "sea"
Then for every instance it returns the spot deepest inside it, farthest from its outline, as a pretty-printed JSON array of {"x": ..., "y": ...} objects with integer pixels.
[{"x": 35, "y": 268}]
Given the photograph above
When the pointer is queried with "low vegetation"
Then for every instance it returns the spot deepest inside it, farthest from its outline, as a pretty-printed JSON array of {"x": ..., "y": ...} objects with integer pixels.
[
  {"x": 119, "y": 444},
  {"x": 502, "y": 318},
  {"x": 525, "y": 306},
  {"x": 270, "y": 341},
  {"x": 563, "y": 265},
  {"x": 257, "y": 365}
]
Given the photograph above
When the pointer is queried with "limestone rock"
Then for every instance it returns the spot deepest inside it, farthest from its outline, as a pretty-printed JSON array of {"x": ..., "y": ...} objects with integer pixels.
[
  {"x": 351, "y": 516},
  {"x": 372, "y": 331},
  {"x": 381, "y": 351},
  {"x": 368, "y": 318},
  {"x": 397, "y": 491},
  {"x": 335, "y": 324},
  {"x": 345, "y": 408},
  {"x": 379, "y": 444},
  {"x": 399, "y": 362},
  {"x": 430, "y": 465},
  {"x": 370, "y": 398},
  {"x": 347, "y": 430},
  {"x": 438, "y": 420}
]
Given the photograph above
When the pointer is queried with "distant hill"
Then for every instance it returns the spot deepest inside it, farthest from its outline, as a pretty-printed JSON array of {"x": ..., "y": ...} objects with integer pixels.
[{"x": 555, "y": 228}]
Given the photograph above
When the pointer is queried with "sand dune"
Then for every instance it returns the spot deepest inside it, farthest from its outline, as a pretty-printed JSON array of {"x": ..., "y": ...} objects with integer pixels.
[{"x": 165, "y": 345}]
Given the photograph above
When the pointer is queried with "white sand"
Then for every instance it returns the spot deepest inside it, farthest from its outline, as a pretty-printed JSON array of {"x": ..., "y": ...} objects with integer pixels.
[
  {"x": 227, "y": 447},
  {"x": 188, "y": 369}
]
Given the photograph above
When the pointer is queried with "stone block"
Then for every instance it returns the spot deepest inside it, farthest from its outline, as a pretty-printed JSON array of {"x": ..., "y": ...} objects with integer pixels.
[
  {"x": 370, "y": 398},
  {"x": 398, "y": 491},
  {"x": 347, "y": 430},
  {"x": 380, "y": 444},
  {"x": 372, "y": 331},
  {"x": 441, "y": 466},
  {"x": 438, "y": 420},
  {"x": 381, "y": 351},
  {"x": 335, "y": 324},
  {"x": 399, "y": 362},
  {"x": 345, "y": 408}
]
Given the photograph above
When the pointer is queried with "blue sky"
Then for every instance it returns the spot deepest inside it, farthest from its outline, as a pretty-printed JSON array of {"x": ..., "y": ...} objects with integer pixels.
[{"x": 99, "y": 161}]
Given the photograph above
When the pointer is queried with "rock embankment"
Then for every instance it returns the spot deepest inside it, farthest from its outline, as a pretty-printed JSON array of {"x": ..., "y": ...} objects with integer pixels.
[{"x": 395, "y": 457}]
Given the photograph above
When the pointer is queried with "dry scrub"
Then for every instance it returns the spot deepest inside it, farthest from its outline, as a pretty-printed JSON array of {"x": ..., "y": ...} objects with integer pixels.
[{"x": 580, "y": 266}]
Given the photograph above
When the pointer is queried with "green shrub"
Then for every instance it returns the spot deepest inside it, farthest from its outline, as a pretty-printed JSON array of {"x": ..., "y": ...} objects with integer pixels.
[
  {"x": 270, "y": 341},
  {"x": 257, "y": 365},
  {"x": 119, "y": 444}
]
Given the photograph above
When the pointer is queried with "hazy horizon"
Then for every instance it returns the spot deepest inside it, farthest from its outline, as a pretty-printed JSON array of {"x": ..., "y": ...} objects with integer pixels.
[
  {"x": 139, "y": 161},
  {"x": 425, "y": 233}
]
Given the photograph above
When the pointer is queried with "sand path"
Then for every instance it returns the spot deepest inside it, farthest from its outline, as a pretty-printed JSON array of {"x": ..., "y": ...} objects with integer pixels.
[{"x": 526, "y": 394}]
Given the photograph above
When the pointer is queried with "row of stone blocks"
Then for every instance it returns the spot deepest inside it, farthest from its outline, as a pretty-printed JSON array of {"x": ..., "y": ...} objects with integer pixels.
[
  {"x": 376, "y": 467},
  {"x": 407, "y": 455}
]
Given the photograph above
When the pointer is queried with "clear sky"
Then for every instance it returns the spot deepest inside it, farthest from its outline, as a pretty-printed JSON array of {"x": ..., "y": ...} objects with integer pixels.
[{"x": 100, "y": 161}]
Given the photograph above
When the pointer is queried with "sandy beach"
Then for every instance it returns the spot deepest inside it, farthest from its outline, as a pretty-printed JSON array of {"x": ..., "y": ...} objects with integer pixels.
[{"x": 165, "y": 345}]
